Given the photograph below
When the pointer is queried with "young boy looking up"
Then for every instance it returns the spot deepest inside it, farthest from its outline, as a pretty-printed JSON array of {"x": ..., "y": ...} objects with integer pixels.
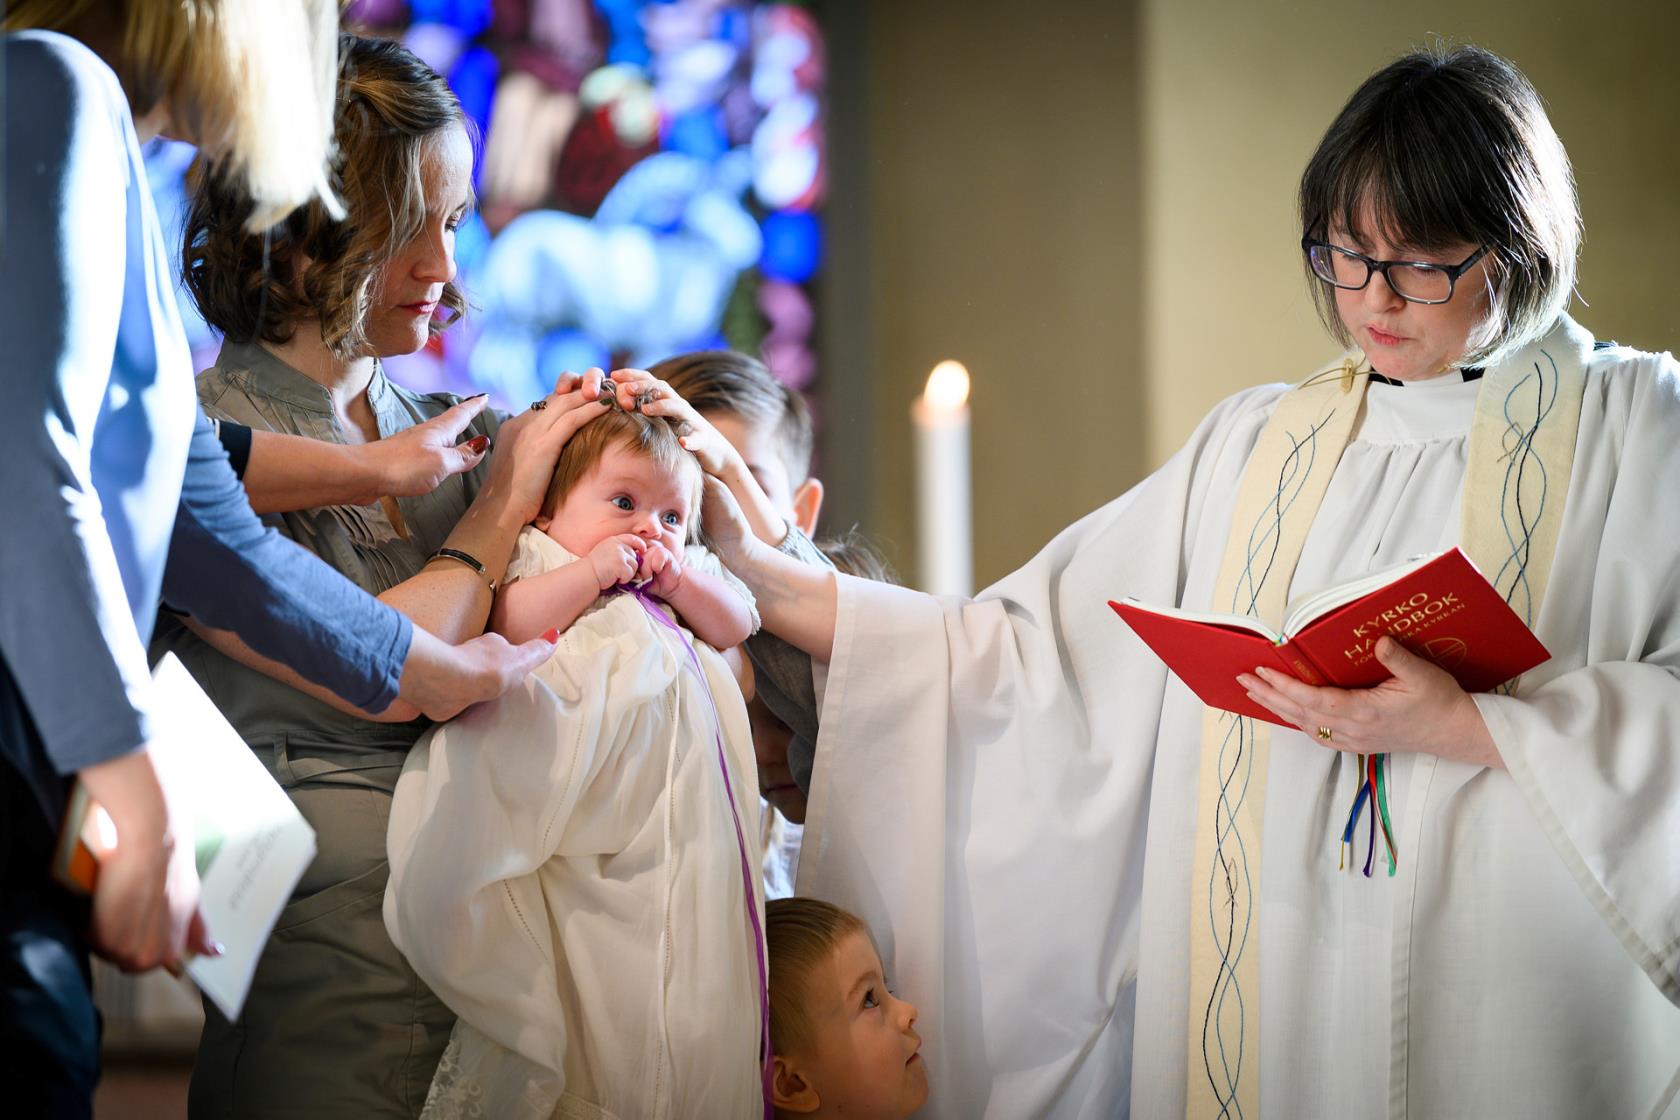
[{"x": 844, "y": 1044}]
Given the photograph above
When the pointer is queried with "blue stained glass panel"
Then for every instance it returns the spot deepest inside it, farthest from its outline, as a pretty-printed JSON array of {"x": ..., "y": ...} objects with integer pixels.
[{"x": 650, "y": 179}]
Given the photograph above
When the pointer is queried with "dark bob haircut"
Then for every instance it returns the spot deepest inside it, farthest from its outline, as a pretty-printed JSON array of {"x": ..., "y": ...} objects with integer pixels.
[
  {"x": 389, "y": 105},
  {"x": 1445, "y": 147}
]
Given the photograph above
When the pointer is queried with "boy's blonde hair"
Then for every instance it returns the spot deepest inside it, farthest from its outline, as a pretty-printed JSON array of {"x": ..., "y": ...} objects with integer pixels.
[
  {"x": 652, "y": 436},
  {"x": 726, "y": 381},
  {"x": 800, "y": 935},
  {"x": 251, "y": 80}
]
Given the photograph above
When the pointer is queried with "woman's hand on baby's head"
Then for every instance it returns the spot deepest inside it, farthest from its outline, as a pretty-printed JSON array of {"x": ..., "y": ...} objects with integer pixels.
[
  {"x": 617, "y": 559},
  {"x": 630, "y": 387},
  {"x": 529, "y": 443},
  {"x": 663, "y": 570}
]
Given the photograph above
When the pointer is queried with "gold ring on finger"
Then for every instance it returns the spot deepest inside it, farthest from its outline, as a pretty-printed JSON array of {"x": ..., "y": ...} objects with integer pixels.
[{"x": 1326, "y": 734}]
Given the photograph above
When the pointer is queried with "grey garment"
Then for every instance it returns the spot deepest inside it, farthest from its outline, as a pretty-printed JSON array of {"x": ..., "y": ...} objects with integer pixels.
[
  {"x": 336, "y": 1024},
  {"x": 251, "y": 386},
  {"x": 783, "y": 674}
]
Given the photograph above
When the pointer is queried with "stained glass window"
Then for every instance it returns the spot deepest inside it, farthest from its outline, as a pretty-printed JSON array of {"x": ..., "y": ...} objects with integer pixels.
[{"x": 650, "y": 176}]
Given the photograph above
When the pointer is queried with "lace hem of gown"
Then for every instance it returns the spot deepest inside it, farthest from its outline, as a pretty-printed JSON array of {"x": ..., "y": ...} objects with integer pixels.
[{"x": 459, "y": 1093}]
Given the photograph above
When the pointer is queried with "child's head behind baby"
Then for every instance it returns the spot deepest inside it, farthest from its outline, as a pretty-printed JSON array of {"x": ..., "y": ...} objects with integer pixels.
[
  {"x": 844, "y": 1044},
  {"x": 623, "y": 472},
  {"x": 766, "y": 421}
]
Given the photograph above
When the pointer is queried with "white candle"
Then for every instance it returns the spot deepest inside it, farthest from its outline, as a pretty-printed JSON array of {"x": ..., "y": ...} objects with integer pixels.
[{"x": 943, "y": 517}]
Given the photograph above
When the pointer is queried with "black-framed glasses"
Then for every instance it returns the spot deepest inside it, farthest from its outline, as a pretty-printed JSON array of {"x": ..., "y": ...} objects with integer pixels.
[{"x": 1413, "y": 281}]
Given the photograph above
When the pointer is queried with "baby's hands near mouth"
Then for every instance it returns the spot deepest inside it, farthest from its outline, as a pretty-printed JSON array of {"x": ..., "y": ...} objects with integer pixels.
[
  {"x": 617, "y": 559},
  {"x": 662, "y": 569}
]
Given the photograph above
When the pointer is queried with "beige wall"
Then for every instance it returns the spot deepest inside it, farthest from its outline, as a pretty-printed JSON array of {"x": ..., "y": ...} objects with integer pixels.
[
  {"x": 998, "y": 225},
  {"x": 1101, "y": 194},
  {"x": 1236, "y": 96}
]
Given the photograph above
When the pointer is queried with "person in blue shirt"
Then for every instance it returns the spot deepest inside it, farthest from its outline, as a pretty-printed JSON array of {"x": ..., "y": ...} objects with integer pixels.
[{"x": 118, "y": 493}]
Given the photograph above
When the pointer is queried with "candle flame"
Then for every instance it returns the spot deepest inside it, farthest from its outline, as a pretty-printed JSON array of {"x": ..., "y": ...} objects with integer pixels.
[{"x": 947, "y": 387}]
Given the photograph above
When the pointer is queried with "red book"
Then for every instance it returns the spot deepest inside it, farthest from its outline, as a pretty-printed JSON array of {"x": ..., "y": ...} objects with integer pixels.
[{"x": 1439, "y": 607}]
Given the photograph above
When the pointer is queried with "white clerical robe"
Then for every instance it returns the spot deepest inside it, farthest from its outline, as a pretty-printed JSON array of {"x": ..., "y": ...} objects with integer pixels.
[
  {"x": 566, "y": 874},
  {"x": 1006, "y": 790}
]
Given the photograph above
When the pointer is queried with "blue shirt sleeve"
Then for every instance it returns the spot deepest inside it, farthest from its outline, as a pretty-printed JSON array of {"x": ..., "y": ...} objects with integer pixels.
[
  {"x": 232, "y": 572},
  {"x": 96, "y": 426},
  {"x": 68, "y": 634}
]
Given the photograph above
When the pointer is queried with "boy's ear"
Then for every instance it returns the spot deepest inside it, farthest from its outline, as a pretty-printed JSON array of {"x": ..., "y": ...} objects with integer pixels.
[
  {"x": 807, "y": 504},
  {"x": 789, "y": 1089}
]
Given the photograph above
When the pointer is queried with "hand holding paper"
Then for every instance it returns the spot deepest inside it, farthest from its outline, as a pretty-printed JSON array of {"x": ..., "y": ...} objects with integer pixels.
[
  {"x": 145, "y": 907},
  {"x": 248, "y": 843}
]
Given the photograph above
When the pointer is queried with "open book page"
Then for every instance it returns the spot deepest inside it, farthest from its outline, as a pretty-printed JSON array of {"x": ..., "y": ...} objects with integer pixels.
[
  {"x": 1298, "y": 614},
  {"x": 1303, "y": 611}
]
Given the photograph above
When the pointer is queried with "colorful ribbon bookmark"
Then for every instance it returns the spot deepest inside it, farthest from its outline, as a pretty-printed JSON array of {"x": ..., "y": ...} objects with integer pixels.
[{"x": 1373, "y": 787}]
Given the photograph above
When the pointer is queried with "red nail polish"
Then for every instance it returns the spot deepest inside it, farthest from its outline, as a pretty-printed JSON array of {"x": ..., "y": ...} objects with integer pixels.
[
  {"x": 552, "y": 636},
  {"x": 478, "y": 444}
]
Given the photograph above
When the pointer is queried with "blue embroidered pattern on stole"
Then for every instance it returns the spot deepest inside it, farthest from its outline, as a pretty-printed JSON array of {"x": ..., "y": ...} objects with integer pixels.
[
  {"x": 1527, "y": 405},
  {"x": 1229, "y": 882}
]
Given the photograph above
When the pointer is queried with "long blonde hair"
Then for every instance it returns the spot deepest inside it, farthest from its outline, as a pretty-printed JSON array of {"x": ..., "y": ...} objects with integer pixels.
[{"x": 250, "y": 80}]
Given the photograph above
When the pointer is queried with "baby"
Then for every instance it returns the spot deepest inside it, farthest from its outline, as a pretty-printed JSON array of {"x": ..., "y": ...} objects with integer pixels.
[
  {"x": 572, "y": 867},
  {"x": 844, "y": 1044},
  {"x": 624, "y": 503}
]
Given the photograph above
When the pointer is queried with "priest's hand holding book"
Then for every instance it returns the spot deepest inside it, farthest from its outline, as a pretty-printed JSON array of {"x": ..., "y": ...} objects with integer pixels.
[
  {"x": 1387, "y": 662},
  {"x": 1421, "y": 709}
]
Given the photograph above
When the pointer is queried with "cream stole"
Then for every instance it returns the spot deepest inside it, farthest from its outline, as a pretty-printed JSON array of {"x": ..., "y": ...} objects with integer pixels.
[{"x": 1522, "y": 448}]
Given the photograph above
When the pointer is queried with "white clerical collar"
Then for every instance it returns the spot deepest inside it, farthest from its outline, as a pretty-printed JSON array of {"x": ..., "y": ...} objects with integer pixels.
[
  {"x": 1463, "y": 373},
  {"x": 1436, "y": 408}
]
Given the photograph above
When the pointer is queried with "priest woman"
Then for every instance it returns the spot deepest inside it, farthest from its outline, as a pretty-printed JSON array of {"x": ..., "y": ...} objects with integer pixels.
[{"x": 1109, "y": 899}]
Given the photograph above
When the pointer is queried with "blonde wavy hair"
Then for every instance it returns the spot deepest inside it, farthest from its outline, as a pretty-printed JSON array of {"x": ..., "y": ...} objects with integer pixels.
[
  {"x": 311, "y": 267},
  {"x": 249, "y": 81}
]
